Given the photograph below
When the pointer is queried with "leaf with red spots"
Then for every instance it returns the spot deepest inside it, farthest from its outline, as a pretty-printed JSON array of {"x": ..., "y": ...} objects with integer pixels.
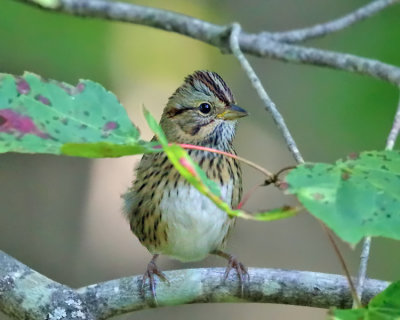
[
  {"x": 355, "y": 197},
  {"x": 384, "y": 306},
  {"x": 46, "y": 116},
  {"x": 198, "y": 178}
]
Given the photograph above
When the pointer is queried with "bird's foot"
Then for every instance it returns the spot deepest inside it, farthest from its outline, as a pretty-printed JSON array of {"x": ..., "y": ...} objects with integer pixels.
[
  {"x": 152, "y": 271},
  {"x": 243, "y": 274},
  {"x": 234, "y": 263}
]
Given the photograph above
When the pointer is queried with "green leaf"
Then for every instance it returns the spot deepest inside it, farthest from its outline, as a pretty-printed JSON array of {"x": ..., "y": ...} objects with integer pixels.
[
  {"x": 155, "y": 127},
  {"x": 197, "y": 177},
  {"x": 108, "y": 150},
  {"x": 356, "y": 197},
  {"x": 46, "y": 116},
  {"x": 385, "y": 306},
  {"x": 276, "y": 214}
]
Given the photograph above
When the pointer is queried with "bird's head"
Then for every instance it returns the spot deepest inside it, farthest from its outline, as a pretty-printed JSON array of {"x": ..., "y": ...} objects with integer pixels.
[{"x": 201, "y": 111}]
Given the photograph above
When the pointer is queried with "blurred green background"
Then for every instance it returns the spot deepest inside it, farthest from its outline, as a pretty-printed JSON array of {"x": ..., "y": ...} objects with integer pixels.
[{"x": 61, "y": 216}]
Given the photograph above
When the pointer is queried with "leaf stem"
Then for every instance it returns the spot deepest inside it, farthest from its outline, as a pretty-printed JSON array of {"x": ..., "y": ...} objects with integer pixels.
[
  {"x": 267, "y": 173},
  {"x": 248, "y": 194},
  {"x": 353, "y": 290},
  {"x": 271, "y": 177},
  {"x": 283, "y": 170}
]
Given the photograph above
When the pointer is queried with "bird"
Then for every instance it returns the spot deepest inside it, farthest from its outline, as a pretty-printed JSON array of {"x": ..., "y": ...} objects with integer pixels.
[{"x": 165, "y": 212}]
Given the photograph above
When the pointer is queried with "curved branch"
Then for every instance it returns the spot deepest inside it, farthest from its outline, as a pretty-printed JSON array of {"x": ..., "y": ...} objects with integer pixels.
[
  {"x": 261, "y": 44},
  {"x": 263, "y": 47},
  {"x": 205, "y": 286},
  {"x": 341, "y": 23},
  {"x": 26, "y": 294}
]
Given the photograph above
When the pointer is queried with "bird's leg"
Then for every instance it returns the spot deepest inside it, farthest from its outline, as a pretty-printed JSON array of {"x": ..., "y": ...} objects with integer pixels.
[
  {"x": 234, "y": 263},
  {"x": 152, "y": 270}
]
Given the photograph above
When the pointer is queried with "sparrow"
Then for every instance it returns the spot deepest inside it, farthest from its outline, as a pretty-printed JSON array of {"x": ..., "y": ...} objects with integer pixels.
[{"x": 166, "y": 213}]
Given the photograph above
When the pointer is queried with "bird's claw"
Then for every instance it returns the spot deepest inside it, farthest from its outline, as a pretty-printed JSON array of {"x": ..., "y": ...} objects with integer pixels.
[
  {"x": 243, "y": 274},
  {"x": 152, "y": 270}
]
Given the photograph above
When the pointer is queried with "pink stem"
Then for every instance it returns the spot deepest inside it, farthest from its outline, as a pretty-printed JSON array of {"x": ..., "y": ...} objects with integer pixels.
[
  {"x": 227, "y": 154},
  {"x": 247, "y": 196}
]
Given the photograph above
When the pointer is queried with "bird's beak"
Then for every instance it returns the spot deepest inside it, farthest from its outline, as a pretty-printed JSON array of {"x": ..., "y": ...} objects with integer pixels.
[{"x": 232, "y": 112}]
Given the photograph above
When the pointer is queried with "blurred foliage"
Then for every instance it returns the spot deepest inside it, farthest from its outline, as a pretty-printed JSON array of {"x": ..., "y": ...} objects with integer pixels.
[
  {"x": 340, "y": 112},
  {"x": 53, "y": 45},
  {"x": 349, "y": 112},
  {"x": 150, "y": 60}
]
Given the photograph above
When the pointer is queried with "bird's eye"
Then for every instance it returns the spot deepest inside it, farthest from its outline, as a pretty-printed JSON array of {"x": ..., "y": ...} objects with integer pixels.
[{"x": 205, "y": 108}]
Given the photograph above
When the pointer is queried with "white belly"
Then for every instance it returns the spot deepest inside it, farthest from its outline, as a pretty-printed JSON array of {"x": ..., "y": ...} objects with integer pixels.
[{"x": 195, "y": 225}]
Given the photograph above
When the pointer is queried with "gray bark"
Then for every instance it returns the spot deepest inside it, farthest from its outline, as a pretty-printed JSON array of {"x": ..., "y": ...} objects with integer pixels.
[{"x": 26, "y": 294}]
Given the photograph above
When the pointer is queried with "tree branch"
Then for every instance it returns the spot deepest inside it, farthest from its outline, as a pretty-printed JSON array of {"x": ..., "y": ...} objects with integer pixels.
[
  {"x": 326, "y": 28},
  {"x": 189, "y": 286},
  {"x": 394, "y": 131},
  {"x": 362, "y": 271},
  {"x": 264, "y": 47},
  {"x": 280, "y": 122},
  {"x": 262, "y": 44},
  {"x": 26, "y": 294},
  {"x": 268, "y": 103}
]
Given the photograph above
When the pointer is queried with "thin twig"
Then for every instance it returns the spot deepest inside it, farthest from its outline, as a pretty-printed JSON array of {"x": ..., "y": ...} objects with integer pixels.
[
  {"x": 248, "y": 194},
  {"x": 265, "y": 47},
  {"x": 260, "y": 44},
  {"x": 341, "y": 23},
  {"x": 270, "y": 106},
  {"x": 268, "y": 103},
  {"x": 353, "y": 291},
  {"x": 394, "y": 132},
  {"x": 362, "y": 271},
  {"x": 280, "y": 171}
]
